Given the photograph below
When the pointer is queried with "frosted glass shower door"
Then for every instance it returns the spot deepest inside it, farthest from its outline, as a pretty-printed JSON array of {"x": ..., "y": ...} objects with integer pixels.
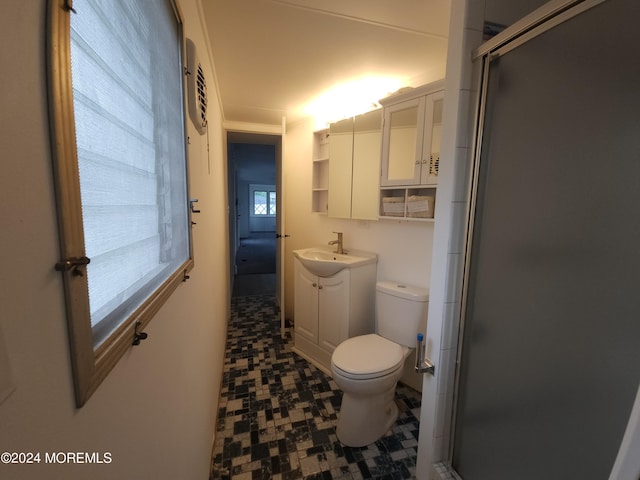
[{"x": 551, "y": 350}]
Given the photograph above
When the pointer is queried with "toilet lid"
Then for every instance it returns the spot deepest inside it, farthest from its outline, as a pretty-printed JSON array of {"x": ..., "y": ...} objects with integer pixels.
[{"x": 368, "y": 356}]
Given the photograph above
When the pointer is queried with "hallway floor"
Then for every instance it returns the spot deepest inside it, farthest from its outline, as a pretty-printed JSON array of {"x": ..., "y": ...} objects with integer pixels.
[
  {"x": 256, "y": 265},
  {"x": 257, "y": 253},
  {"x": 255, "y": 284},
  {"x": 278, "y": 413}
]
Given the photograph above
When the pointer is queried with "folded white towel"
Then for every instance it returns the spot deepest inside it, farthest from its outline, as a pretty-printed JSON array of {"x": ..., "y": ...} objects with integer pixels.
[
  {"x": 393, "y": 206},
  {"x": 420, "y": 206}
]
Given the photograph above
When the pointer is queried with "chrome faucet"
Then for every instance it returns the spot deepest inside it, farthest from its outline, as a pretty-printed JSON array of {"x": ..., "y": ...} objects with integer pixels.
[{"x": 338, "y": 242}]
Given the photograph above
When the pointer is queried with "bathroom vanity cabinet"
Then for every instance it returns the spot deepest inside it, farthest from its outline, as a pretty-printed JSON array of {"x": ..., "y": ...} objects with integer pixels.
[
  {"x": 411, "y": 151},
  {"x": 328, "y": 310}
]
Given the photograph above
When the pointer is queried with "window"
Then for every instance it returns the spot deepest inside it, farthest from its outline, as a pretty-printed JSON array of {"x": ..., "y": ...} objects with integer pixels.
[
  {"x": 264, "y": 203},
  {"x": 117, "y": 104}
]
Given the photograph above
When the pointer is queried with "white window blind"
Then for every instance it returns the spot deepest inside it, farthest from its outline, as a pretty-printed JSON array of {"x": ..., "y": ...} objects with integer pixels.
[
  {"x": 128, "y": 107},
  {"x": 117, "y": 125}
]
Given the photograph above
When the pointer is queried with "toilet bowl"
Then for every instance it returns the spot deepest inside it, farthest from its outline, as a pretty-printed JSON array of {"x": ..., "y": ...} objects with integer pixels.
[
  {"x": 368, "y": 367},
  {"x": 368, "y": 409}
]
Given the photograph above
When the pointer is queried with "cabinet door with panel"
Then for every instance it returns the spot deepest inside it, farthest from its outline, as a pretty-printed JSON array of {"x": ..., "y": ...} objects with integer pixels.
[
  {"x": 411, "y": 140},
  {"x": 340, "y": 168},
  {"x": 430, "y": 164},
  {"x": 402, "y": 143},
  {"x": 333, "y": 310},
  {"x": 367, "y": 141},
  {"x": 328, "y": 310},
  {"x": 306, "y": 303}
]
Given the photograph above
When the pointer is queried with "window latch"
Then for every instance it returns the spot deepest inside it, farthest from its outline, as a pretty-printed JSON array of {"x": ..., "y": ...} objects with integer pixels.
[
  {"x": 192, "y": 203},
  {"x": 138, "y": 336},
  {"x": 73, "y": 264},
  {"x": 68, "y": 6}
]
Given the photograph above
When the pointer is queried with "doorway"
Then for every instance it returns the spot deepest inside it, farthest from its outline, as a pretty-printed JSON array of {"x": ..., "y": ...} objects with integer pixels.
[
  {"x": 550, "y": 365},
  {"x": 253, "y": 195}
]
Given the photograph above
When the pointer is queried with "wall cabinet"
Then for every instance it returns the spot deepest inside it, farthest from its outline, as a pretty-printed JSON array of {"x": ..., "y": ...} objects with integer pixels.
[
  {"x": 340, "y": 168},
  {"x": 408, "y": 203},
  {"x": 354, "y": 164},
  {"x": 411, "y": 152},
  {"x": 328, "y": 310},
  {"x": 320, "y": 173},
  {"x": 367, "y": 144},
  {"x": 411, "y": 140}
]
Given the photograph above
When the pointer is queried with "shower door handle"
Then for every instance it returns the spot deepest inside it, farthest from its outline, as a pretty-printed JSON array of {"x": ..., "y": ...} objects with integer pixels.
[{"x": 423, "y": 364}]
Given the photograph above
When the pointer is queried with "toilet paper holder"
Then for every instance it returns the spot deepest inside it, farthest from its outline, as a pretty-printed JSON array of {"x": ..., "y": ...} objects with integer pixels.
[{"x": 423, "y": 364}]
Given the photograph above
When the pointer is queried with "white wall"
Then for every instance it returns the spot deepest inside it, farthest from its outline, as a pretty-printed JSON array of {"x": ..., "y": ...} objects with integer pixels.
[
  {"x": 155, "y": 413},
  {"x": 260, "y": 223},
  {"x": 254, "y": 164},
  {"x": 242, "y": 208},
  {"x": 248, "y": 223},
  {"x": 465, "y": 33}
]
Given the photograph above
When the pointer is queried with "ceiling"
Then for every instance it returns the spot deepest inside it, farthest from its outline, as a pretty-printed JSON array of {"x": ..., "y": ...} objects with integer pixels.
[{"x": 272, "y": 58}]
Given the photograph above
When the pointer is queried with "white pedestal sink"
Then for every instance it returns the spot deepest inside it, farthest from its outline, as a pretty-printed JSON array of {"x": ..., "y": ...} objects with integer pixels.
[{"x": 322, "y": 261}]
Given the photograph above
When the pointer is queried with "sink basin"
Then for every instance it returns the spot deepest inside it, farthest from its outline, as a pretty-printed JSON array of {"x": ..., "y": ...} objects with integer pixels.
[{"x": 324, "y": 262}]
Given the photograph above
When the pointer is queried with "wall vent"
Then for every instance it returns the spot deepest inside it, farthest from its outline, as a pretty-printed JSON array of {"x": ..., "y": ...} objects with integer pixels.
[{"x": 196, "y": 89}]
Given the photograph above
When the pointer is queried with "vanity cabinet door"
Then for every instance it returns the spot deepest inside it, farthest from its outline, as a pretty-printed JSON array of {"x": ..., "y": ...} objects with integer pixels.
[
  {"x": 305, "y": 303},
  {"x": 333, "y": 310}
]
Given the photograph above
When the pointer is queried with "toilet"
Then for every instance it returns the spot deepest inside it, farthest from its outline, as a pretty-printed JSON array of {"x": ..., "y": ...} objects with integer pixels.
[{"x": 367, "y": 367}]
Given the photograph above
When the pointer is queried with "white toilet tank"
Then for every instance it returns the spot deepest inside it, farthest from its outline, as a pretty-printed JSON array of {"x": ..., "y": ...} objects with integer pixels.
[{"x": 401, "y": 311}]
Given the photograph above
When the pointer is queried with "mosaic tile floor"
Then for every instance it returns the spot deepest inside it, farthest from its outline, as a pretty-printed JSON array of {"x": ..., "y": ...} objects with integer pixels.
[{"x": 278, "y": 413}]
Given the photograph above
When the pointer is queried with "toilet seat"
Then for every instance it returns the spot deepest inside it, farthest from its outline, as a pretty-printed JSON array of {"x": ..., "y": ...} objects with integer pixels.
[{"x": 368, "y": 356}]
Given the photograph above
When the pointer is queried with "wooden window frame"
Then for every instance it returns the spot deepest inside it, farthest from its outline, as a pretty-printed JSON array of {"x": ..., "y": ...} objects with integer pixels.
[{"x": 91, "y": 365}]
